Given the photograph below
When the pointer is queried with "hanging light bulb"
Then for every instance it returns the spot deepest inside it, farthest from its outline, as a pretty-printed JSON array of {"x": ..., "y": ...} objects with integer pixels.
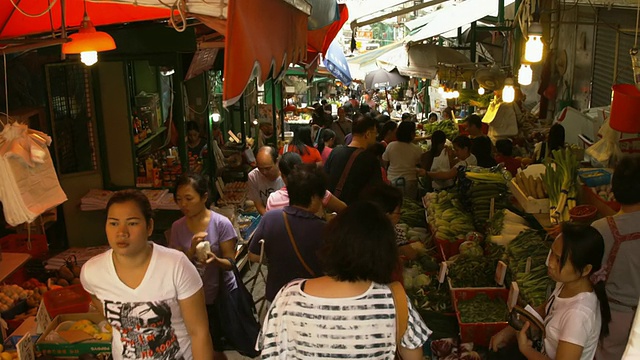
[
  {"x": 508, "y": 92},
  {"x": 480, "y": 90},
  {"x": 525, "y": 74},
  {"x": 88, "y": 42},
  {"x": 255, "y": 121},
  {"x": 441, "y": 90},
  {"x": 534, "y": 47},
  {"x": 455, "y": 94}
]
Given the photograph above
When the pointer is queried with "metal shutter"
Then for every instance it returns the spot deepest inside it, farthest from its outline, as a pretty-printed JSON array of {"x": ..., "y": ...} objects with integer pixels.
[{"x": 603, "y": 64}]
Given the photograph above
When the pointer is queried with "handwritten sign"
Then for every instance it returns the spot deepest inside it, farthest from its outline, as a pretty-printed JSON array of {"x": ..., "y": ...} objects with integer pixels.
[
  {"x": 443, "y": 272},
  {"x": 43, "y": 319},
  {"x": 501, "y": 272},
  {"x": 25, "y": 348}
]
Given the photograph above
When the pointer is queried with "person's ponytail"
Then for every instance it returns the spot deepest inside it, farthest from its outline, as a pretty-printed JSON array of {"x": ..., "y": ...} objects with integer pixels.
[{"x": 605, "y": 310}]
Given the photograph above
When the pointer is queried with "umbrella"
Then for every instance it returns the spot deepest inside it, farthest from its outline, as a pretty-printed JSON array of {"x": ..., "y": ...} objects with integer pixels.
[
  {"x": 382, "y": 78},
  {"x": 336, "y": 63}
]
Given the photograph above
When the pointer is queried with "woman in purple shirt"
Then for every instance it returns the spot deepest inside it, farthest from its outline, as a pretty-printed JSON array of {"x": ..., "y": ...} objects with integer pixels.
[{"x": 201, "y": 224}]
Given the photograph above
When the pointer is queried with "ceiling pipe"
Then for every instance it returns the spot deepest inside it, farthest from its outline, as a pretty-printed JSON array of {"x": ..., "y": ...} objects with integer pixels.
[{"x": 356, "y": 24}]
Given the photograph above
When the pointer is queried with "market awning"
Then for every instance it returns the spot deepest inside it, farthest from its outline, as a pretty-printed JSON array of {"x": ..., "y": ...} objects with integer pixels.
[
  {"x": 336, "y": 63},
  {"x": 261, "y": 46},
  {"x": 13, "y": 23},
  {"x": 452, "y": 17},
  {"x": 362, "y": 64}
]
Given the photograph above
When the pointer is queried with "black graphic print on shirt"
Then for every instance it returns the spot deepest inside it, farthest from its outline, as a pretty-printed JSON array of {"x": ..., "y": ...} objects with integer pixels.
[{"x": 145, "y": 329}]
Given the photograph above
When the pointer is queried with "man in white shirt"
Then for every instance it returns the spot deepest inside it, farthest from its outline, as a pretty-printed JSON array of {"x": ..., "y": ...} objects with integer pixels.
[{"x": 264, "y": 179}]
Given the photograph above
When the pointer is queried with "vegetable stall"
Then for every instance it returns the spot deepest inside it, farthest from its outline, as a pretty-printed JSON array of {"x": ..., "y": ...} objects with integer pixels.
[{"x": 487, "y": 236}]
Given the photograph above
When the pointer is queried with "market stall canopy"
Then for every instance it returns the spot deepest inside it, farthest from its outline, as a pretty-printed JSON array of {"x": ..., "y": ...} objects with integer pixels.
[
  {"x": 362, "y": 64},
  {"x": 379, "y": 79},
  {"x": 336, "y": 63},
  {"x": 262, "y": 46},
  {"x": 319, "y": 40},
  {"x": 452, "y": 17},
  {"x": 422, "y": 60},
  {"x": 14, "y": 23}
]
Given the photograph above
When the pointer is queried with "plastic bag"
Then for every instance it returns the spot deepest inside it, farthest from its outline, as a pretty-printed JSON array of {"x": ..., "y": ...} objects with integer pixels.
[{"x": 607, "y": 149}]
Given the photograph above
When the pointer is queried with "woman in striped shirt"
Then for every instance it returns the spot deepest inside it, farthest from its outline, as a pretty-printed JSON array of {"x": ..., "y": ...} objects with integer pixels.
[{"x": 350, "y": 312}]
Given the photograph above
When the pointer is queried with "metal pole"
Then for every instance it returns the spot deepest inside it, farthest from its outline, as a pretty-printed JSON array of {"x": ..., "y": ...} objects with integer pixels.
[
  {"x": 473, "y": 44},
  {"x": 517, "y": 40},
  {"x": 500, "y": 12},
  {"x": 242, "y": 121},
  {"x": 274, "y": 109}
]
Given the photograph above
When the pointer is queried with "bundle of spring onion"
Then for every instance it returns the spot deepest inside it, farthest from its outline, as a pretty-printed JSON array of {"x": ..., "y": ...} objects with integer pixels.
[{"x": 561, "y": 184}]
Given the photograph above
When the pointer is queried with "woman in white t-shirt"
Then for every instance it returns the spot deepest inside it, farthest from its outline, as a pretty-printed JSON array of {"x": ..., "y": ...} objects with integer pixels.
[
  {"x": 462, "y": 150},
  {"x": 404, "y": 158},
  {"x": 438, "y": 159},
  {"x": 577, "y": 314},
  {"x": 151, "y": 295}
]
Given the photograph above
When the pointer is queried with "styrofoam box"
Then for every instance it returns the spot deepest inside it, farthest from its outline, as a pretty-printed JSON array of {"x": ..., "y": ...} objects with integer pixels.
[{"x": 530, "y": 205}]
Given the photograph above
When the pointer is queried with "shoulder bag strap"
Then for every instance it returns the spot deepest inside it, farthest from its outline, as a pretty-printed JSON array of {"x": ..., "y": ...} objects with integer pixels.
[
  {"x": 402, "y": 312},
  {"x": 345, "y": 173},
  {"x": 295, "y": 246}
]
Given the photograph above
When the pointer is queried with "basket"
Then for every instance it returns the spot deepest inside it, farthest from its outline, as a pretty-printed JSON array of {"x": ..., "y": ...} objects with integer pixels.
[
  {"x": 68, "y": 300},
  {"x": 583, "y": 213},
  {"x": 478, "y": 333},
  {"x": 595, "y": 177}
]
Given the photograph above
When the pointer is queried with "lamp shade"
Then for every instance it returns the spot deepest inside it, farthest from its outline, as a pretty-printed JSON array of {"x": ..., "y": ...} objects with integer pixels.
[
  {"x": 625, "y": 108},
  {"x": 88, "y": 39}
]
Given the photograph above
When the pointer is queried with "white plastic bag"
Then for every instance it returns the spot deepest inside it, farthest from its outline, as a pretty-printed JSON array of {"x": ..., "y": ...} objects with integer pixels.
[{"x": 607, "y": 149}]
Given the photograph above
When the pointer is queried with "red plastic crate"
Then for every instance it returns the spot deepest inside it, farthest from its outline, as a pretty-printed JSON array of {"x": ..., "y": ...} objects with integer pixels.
[
  {"x": 68, "y": 300},
  {"x": 19, "y": 243},
  {"x": 478, "y": 333},
  {"x": 449, "y": 248}
]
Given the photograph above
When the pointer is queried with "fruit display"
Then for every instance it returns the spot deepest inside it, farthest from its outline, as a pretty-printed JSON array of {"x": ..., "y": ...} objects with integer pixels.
[
  {"x": 11, "y": 294},
  {"x": 100, "y": 331},
  {"x": 68, "y": 274}
]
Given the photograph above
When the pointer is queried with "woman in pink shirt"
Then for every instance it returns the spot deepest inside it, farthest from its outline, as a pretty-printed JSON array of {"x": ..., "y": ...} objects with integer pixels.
[
  {"x": 325, "y": 144},
  {"x": 280, "y": 198}
]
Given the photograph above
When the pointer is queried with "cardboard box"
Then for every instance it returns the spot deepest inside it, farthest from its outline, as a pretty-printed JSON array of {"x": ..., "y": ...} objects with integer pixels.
[
  {"x": 28, "y": 326},
  {"x": 59, "y": 349},
  {"x": 529, "y": 205}
]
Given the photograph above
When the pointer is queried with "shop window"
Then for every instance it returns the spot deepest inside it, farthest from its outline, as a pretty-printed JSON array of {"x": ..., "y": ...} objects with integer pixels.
[{"x": 70, "y": 104}]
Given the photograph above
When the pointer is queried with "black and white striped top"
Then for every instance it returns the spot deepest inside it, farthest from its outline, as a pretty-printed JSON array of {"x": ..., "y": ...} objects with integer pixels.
[{"x": 301, "y": 326}]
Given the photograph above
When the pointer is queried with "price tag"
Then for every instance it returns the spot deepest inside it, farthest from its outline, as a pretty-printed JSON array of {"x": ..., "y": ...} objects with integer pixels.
[
  {"x": 527, "y": 268},
  {"x": 43, "y": 319},
  {"x": 25, "y": 348},
  {"x": 443, "y": 272},
  {"x": 514, "y": 292},
  {"x": 501, "y": 272}
]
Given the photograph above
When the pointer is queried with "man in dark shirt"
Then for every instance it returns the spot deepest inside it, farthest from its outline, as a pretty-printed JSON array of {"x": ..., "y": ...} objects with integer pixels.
[
  {"x": 365, "y": 169},
  {"x": 306, "y": 186}
]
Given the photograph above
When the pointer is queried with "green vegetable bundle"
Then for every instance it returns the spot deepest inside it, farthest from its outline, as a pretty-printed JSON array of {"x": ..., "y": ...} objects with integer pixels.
[
  {"x": 481, "y": 194},
  {"x": 482, "y": 309},
  {"x": 449, "y": 128},
  {"x": 472, "y": 271},
  {"x": 446, "y": 216},
  {"x": 561, "y": 184},
  {"x": 533, "y": 285},
  {"x": 412, "y": 213}
]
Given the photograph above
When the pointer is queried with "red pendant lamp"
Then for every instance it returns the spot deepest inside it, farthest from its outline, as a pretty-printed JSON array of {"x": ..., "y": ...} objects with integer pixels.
[{"x": 88, "y": 42}]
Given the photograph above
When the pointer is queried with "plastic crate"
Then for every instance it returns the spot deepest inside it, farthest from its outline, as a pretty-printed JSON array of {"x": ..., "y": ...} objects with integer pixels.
[
  {"x": 478, "y": 333},
  {"x": 449, "y": 248},
  {"x": 68, "y": 300},
  {"x": 19, "y": 243},
  {"x": 595, "y": 177}
]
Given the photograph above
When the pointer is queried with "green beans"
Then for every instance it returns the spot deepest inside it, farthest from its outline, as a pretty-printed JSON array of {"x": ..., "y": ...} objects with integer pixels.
[{"x": 483, "y": 309}]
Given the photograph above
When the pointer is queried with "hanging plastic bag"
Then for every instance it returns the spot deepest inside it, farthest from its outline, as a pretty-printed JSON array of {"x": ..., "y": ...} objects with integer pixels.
[{"x": 607, "y": 149}]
